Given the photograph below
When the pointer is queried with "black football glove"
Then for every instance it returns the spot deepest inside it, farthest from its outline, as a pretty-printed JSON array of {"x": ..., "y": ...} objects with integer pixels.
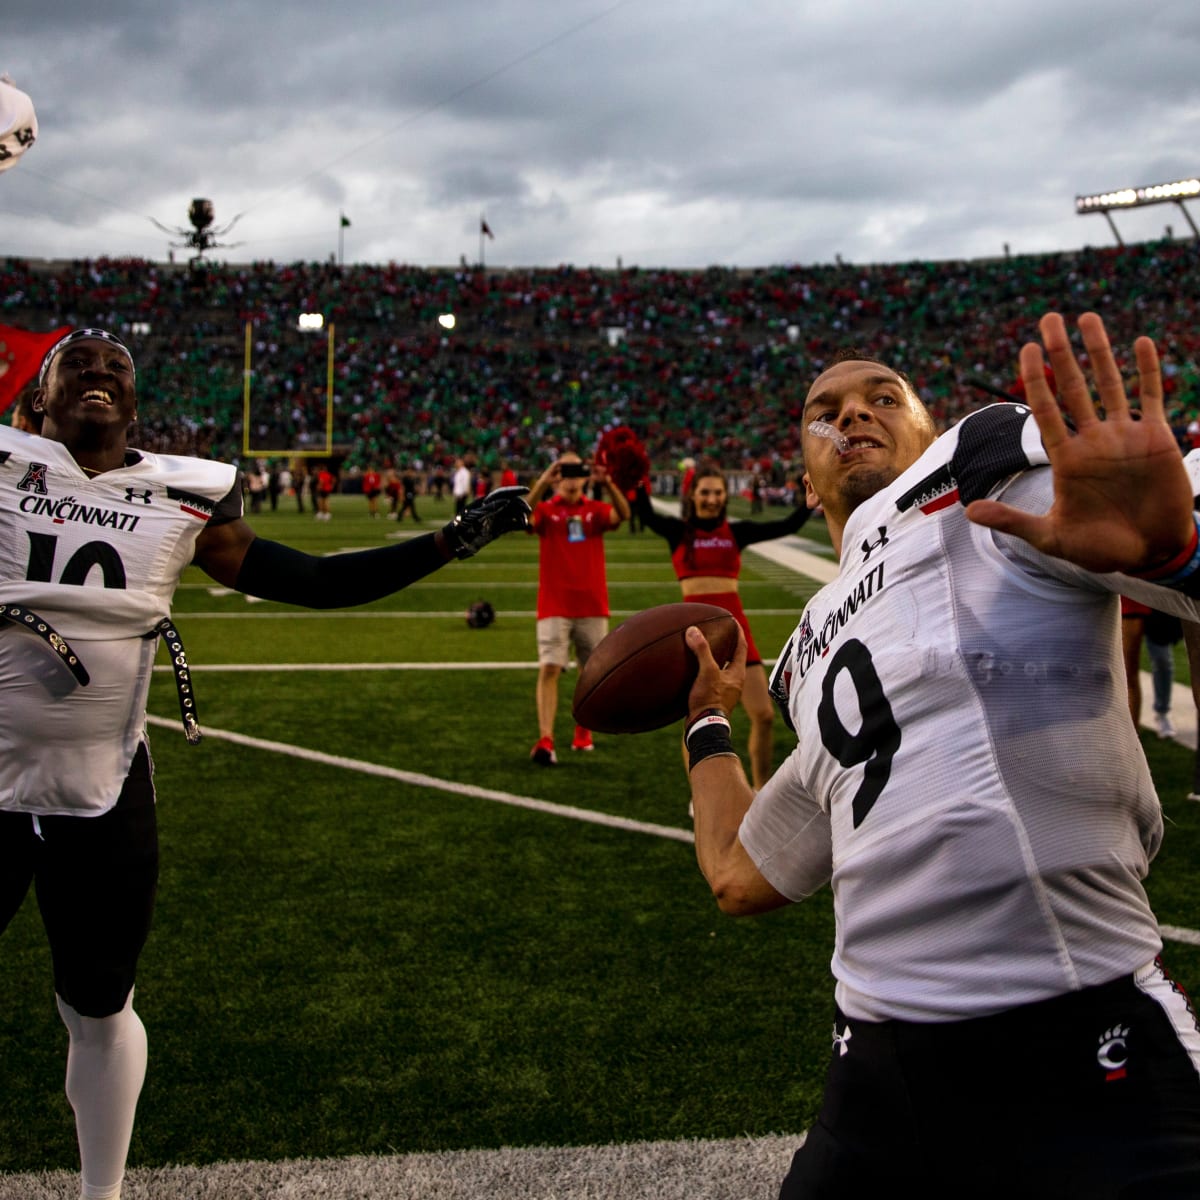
[{"x": 501, "y": 511}]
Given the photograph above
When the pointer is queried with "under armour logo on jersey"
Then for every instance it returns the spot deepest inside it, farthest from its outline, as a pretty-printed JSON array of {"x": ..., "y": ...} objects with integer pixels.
[
  {"x": 132, "y": 494},
  {"x": 35, "y": 479},
  {"x": 842, "y": 1041},
  {"x": 868, "y": 546},
  {"x": 1113, "y": 1053}
]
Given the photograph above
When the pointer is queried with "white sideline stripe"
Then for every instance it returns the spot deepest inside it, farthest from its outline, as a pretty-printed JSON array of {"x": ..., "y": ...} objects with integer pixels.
[
  {"x": 416, "y": 779},
  {"x": 729, "y": 1169},
  {"x": 1174, "y": 933}
]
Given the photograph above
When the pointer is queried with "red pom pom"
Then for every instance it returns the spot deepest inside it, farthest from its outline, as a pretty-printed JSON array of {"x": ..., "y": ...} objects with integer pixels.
[{"x": 622, "y": 454}]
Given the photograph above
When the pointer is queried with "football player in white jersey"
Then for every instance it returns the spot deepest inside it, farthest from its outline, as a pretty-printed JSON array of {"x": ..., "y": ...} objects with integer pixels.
[
  {"x": 967, "y": 778},
  {"x": 94, "y": 535}
]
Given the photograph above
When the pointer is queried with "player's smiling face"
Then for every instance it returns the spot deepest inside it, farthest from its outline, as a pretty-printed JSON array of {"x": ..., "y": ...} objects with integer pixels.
[
  {"x": 89, "y": 383},
  {"x": 884, "y": 428}
]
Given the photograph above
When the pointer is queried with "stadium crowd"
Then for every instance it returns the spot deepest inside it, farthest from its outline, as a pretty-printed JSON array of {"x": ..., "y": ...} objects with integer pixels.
[{"x": 708, "y": 362}]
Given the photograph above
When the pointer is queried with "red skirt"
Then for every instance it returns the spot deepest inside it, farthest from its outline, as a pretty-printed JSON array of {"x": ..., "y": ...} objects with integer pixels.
[{"x": 731, "y": 602}]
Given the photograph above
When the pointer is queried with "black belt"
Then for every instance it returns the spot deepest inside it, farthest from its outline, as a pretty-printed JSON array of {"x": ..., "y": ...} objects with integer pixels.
[
  {"x": 19, "y": 615},
  {"x": 22, "y": 617},
  {"x": 183, "y": 677}
]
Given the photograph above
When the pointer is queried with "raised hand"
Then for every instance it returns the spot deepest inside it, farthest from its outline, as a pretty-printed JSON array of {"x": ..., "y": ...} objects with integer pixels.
[{"x": 1122, "y": 498}]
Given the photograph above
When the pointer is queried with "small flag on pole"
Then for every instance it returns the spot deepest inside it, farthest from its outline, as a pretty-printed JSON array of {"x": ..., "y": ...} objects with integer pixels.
[
  {"x": 345, "y": 221},
  {"x": 485, "y": 230}
]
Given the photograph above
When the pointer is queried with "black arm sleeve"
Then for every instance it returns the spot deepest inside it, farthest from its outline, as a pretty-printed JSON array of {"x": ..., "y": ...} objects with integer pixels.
[
  {"x": 671, "y": 528},
  {"x": 746, "y": 533},
  {"x": 273, "y": 571}
]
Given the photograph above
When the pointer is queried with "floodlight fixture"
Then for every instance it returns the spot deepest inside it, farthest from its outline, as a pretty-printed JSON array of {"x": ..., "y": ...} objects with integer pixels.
[
  {"x": 310, "y": 322},
  {"x": 1138, "y": 197},
  {"x": 1175, "y": 192}
]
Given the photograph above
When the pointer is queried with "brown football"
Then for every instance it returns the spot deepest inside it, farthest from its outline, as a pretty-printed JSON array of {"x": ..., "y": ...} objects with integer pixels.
[{"x": 638, "y": 678}]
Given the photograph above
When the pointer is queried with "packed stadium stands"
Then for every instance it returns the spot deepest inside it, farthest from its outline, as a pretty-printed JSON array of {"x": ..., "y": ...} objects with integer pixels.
[{"x": 713, "y": 361}]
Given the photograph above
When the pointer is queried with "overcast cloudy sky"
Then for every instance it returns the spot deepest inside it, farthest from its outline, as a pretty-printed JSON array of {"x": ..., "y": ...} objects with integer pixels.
[{"x": 660, "y": 132}]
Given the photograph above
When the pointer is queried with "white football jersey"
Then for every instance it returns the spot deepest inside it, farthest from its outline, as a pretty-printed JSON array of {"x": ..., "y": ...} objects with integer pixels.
[
  {"x": 967, "y": 774},
  {"x": 99, "y": 560}
]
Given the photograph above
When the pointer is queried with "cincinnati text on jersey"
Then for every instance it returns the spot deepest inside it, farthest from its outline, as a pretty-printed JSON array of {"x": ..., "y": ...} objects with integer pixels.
[
  {"x": 822, "y": 636},
  {"x": 69, "y": 509}
]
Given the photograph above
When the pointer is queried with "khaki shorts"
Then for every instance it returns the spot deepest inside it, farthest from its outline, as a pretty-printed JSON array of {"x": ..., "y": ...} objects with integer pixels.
[{"x": 556, "y": 636}]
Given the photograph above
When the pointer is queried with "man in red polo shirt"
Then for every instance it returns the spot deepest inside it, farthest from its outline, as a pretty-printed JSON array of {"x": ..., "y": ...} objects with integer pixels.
[{"x": 572, "y": 605}]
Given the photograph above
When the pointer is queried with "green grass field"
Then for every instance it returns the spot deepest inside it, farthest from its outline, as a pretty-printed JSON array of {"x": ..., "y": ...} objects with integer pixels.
[{"x": 347, "y": 963}]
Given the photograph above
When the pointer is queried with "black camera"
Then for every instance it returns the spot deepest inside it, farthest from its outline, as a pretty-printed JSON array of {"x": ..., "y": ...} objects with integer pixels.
[{"x": 573, "y": 470}]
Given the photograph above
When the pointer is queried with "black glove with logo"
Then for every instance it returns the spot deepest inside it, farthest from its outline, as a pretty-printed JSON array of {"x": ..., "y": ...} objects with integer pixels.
[{"x": 499, "y": 512}]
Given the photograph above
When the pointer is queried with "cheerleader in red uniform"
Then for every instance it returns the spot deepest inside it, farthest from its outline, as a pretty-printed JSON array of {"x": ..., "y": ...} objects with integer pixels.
[{"x": 706, "y": 551}]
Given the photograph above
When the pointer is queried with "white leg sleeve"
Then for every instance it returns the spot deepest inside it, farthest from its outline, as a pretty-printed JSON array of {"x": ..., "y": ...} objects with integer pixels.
[{"x": 106, "y": 1063}]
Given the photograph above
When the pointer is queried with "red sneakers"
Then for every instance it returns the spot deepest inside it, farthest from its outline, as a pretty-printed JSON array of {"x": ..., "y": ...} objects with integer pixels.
[
  {"x": 582, "y": 739},
  {"x": 543, "y": 753}
]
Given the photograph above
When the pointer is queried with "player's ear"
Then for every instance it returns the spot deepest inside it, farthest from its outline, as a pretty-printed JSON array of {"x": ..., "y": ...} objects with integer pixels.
[
  {"x": 810, "y": 493},
  {"x": 38, "y": 403}
]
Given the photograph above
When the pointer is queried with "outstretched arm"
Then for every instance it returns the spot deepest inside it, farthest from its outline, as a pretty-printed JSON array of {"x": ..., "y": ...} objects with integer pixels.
[
  {"x": 671, "y": 528},
  {"x": 1122, "y": 498},
  {"x": 234, "y": 555},
  {"x": 746, "y": 533}
]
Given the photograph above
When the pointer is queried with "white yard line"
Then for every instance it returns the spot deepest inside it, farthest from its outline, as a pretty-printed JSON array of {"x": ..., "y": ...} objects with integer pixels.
[{"x": 417, "y": 779}]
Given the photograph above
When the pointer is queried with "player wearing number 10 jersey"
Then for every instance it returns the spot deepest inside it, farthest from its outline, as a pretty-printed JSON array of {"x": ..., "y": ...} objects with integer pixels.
[
  {"x": 94, "y": 536},
  {"x": 967, "y": 778}
]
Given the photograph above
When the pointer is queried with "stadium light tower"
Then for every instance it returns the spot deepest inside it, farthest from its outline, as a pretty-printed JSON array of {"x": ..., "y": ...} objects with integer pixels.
[{"x": 1139, "y": 197}]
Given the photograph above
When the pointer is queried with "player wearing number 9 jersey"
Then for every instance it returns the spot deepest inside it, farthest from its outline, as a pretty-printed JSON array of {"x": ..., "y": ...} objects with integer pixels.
[
  {"x": 967, "y": 778},
  {"x": 94, "y": 536}
]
